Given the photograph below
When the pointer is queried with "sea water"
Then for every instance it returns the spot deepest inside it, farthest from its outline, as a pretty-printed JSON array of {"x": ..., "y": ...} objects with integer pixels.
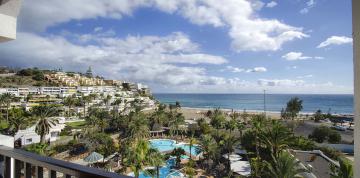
[{"x": 336, "y": 104}]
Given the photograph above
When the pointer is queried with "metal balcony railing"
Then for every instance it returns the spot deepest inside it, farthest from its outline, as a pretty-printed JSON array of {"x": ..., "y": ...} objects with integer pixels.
[{"x": 30, "y": 165}]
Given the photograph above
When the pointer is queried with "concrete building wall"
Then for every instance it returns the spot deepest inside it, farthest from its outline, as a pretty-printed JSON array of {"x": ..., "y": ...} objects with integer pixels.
[
  {"x": 9, "y": 11},
  {"x": 356, "y": 53}
]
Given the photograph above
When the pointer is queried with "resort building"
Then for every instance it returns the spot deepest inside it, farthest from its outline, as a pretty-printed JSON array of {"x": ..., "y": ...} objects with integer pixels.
[{"x": 29, "y": 136}]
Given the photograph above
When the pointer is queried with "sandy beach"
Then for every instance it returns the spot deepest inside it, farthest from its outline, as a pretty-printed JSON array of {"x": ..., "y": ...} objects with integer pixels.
[{"x": 191, "y": 113}]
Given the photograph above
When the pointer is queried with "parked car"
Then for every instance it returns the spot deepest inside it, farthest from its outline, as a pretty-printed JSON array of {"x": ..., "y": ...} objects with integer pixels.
[{"x": 340, "y": 128}]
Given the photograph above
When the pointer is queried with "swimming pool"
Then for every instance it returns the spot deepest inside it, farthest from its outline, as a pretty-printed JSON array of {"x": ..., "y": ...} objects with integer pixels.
[
  {"x": 164, "y": 172},
  {"x": 168, "y": 145}
]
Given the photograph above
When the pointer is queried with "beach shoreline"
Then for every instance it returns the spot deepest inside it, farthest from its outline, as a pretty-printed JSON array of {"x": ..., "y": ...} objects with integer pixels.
[{"x": 196, "y": 113}]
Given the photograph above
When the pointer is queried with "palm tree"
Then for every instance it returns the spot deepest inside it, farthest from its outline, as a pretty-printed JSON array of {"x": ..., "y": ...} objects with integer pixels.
[
  {"x": 217, "y": 120},
  {"x": 344, "y": 171},
  {"x": 192, "y": 141},
  {"x": 86, "y": 100},
  {"x": 178, "y": 152},
  {"x": 293, "y": 107},
  {"x": 42, "y": 113},
  {"x": 209, "y": 148},
  {"x": 70, "y": 102},
  {"x": 231, "y": 125},
  {"x": 258, "y": 123},
  {"x": 17, "y": 119},
  {"x": 229, "y": 142},
  {"x": 6, "y": 99},
  {"x": 240, "y": 127},
  {"x": 137, "y": 156},
  {"x": 275, "y": 137},
  {"x": 176, "y": 120},
  {"x": 245, "y": 116},
  {"x": 156, "y": 159},
  {"x": 138, "y": 127},
  {"x": 107, "y": 99},
  {"x": 285, "y": 166},
  {"x": 102, "y": 123}
]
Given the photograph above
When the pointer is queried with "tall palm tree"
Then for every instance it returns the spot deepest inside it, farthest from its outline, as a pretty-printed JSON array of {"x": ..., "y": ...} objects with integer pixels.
[
  {"x": 42, "y": 113},
  {"x": 275, "y": 137},
  {"x": 6, "y": 99},
  {"x": 258, "y": 124},
  {"x": 229, "y": 142},
  {"x": 192, "y": 141},
  {"x": 240, "y": 127},
  {"x": 137, "y": 156},
  {"x": 17, "y": 119},
  {"x": 176, "y": 121},
  {"x": 285, "y": 166},
  {"x": 178, "y": 152},
  {"x": 102, "y": 123},
  {"x": 210, "y": 149},
  {"x": 138, "y": 127},
  {"x": 156, "y": 159},
  {"x": 217, "y": 120},
  {"x": 70, "y": 102},
  {"x": 107, "y": 99},
  {"x": 231, "y": 125},
  {"x": 245, "y": 116},
  {"x": 86, "y": 100},
  {"x": 293, "y": 107}
]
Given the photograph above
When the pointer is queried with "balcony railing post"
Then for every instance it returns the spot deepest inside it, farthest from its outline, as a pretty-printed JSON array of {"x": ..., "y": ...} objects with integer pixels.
[
  {"x": 7, "y": 170},
  {"x": 39, "y": 172},
  {"x": 52, "y": 174},
  {"x": 27, "y": 170},
  {"x": 21, "y": 164},
  {"x": 17, "y": 168}
]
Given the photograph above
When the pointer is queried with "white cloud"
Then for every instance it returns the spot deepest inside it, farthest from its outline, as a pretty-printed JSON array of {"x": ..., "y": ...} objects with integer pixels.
[
  {"x": 149, "y": 59},
  {"x": 98, "y": 29},
  {"x": 271, "y": 4},
  {"x": 280, "y": 82},
  {"x": 238, "y": 70},
  {"x": 305, "y": 76},
  {"x": 294, "y": 56},
  {"x": 335, "y": 40},
  {"x": 301, "y": 86},
  {"x": 240, "y": 16},
  {"x": 257, "y": 69},
  {"x": 309, "y": 5},
  {"x": 291, "y": 67}
]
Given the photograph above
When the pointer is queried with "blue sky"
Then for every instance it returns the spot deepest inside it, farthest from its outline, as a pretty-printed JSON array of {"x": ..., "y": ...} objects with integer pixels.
[{"x": 187, "y": 46}]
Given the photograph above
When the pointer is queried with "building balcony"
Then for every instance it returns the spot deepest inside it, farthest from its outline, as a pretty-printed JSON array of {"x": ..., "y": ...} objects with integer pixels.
[
  {"x": 9, "y": 10},
  {"x": 19, "y": 163}
]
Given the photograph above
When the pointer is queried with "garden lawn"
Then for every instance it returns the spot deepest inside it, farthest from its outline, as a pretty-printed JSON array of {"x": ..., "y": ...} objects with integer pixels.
[{"x": 76, "y": 125}]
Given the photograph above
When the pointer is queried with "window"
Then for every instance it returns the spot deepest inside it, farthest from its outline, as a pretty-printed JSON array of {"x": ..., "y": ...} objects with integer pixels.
[{"x": 29, "y": 140}]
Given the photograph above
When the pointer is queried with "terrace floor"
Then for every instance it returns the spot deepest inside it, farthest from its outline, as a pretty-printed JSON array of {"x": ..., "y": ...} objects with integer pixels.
[{"x": 321, "y": 167}]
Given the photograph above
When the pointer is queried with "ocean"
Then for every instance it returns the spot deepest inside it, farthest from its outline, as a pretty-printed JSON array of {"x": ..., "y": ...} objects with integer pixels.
[{"x": 337, "y": 104}]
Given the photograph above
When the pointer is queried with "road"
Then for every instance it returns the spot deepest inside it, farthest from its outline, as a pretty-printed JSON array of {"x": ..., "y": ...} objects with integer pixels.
[{"x": 306, "y": 128}]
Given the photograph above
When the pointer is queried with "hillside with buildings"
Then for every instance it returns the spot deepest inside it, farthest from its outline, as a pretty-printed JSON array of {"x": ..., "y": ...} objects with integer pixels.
[{"x": 75, "y": 95}]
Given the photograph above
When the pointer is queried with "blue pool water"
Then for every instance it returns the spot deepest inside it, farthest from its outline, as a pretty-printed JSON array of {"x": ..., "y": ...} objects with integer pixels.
[
  {"x": 168, "y": 145},
  {"x": 165, "y": 171}
]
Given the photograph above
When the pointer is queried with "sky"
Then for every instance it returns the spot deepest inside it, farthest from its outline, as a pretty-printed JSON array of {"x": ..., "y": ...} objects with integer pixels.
[{"x": 192, "y": 46}]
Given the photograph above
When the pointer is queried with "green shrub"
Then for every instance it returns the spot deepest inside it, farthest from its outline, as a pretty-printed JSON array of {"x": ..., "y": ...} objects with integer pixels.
[
  {"x": 334, "y": 137},
  {"x": 302, "y": 143},
  {"x": 248, "y": 141},
  {"x": 60, "y": 148},
  {"x": 320, "y": 134},
  {"x": 37, "y": 148},
  {"x": 331, "y": 153}
]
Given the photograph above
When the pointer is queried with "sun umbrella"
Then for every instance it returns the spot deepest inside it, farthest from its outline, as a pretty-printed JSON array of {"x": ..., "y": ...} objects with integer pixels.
[{"x": 93, "y": 157}]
